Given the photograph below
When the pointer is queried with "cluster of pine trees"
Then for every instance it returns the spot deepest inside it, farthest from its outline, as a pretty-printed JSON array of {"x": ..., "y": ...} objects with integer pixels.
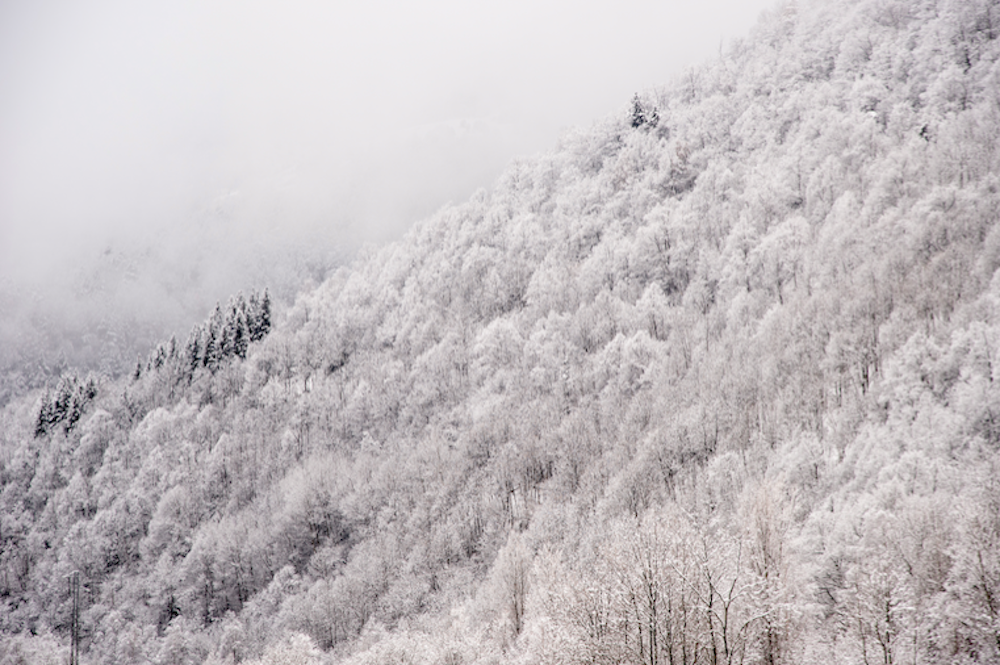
[
  {"x": 65, "y": 406},
  {"x": 644, "y": 114},
  {"x": 222, "y": 337}
]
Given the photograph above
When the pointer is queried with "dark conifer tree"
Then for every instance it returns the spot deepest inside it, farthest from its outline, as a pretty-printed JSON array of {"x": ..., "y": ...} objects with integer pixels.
[
  {"x": 73, "y": 411},
  {"x": 241, "y": 303},
  {"x": 208, "y": 346},
  {"x": 638, "y": 112},
  {"x": 259, "y": 316},
  {"x": 265, "y": 315},
  {"x": 227, "y": 337},
  {"x": 253, "y": 308},
  {"x": 212, "y": 342},
  {"x": 90, "y": 389},
  {"x": 653, "y": 117},
  {"x": 64, "y": 394},
  {"x": 45, "y": 415},
  {"x": 193, "y": 352},
  {"x": 642, "y": 116},
  {"x": 241, "y": 335},
  {"x": 159, "y": 356}
]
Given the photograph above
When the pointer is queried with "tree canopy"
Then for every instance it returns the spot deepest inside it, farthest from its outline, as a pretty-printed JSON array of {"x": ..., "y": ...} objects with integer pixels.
[{"x": 717, "y": 387}]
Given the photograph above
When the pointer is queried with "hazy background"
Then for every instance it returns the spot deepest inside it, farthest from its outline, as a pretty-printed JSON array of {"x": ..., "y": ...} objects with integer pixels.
[{"x": 155, "y": 158}]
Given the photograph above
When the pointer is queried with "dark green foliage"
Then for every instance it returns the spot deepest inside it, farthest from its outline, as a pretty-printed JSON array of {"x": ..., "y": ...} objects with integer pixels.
[
  {"x": 226, "y": 334},
  {"x": 193, "y": 352},
  {"x": 159, "y": 357},
  {"x": 644, "y": 115},
  {"x": 241, "y": 335},
  {"x": 236, "y": 333},
  {"x": 258, "y": 314},
  {"x": 67, "y": 406},
  {"x": 214, "y": 342},
  {"x": 47, "y": 416}
]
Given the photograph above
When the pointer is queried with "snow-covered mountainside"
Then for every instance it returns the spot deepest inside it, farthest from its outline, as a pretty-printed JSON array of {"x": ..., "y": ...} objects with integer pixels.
[{"x": 711, "y": 382}]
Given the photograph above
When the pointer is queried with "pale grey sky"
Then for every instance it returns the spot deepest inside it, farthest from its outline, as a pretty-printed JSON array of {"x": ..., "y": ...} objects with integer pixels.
[{"x": 123, "y": 115}]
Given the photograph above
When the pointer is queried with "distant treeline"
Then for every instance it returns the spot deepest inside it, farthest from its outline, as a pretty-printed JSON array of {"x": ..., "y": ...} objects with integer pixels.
[
  {"x": 219, "y": 338},
  {"x": 224, "y": 335}
]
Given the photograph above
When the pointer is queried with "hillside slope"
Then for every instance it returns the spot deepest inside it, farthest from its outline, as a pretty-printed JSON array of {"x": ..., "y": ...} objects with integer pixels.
[{"x": 711, "y": 382}]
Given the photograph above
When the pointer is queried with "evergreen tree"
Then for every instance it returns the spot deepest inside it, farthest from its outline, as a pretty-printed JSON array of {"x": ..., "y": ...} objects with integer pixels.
[
  {"x": 642, "y": 116},
  {"x": 159, "y": 356},
  {"x": 259, "y": 316},
  {"x": 209, "y": 355},
  {"x": 253, "y": 307},
  {"x": 227, "y": 338},
  {"x": 90, "y": 389},
  {"x": 212, "y": 341},
  {"x": 64, "y": 395},
  {"x": 240, "y": 304},
  {"x": 45, "y": 415},
  {"x": 74, "y": 411},
  {"x": 241, "y": 335},
  {"x": 265, "y": 314},
  {"x": 193, "y": 352}
]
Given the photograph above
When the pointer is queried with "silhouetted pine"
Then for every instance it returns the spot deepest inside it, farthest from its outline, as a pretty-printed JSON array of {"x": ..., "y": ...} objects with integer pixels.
[
  {"x": 259, "y": 316},
  {"x": 211, "y": 341},
  {"x": 641, "y": 115},
  {"x": 46, "y": 415},
  {"x": 193, "y": 352},
  {"x": 241, "y": 336},
  {"x": 68, "y": 405}
]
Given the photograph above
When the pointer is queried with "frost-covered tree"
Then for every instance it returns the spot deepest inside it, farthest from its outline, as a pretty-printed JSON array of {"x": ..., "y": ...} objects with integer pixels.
[
  {"x": 643, "y": 115},
  {"x": 715, "y": 395}
]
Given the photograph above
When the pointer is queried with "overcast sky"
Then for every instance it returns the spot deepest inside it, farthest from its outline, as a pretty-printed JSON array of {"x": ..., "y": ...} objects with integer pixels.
[{"x": 120, "y": 118}]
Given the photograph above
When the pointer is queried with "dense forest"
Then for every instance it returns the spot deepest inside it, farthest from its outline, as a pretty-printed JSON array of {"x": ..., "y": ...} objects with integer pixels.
[{"x": 710, "y": 382}]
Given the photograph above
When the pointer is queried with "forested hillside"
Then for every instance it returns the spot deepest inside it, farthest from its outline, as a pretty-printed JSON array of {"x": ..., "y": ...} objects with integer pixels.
[{"x": 711, "y": 382}]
